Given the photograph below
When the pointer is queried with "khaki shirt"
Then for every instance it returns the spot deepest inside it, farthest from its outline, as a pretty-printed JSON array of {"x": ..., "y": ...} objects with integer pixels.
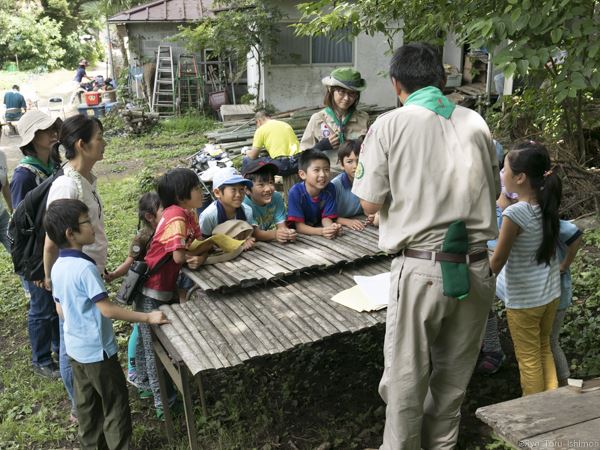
[
  {"x": 321, "y": 125},
  {"x": 428, "y": 172}
]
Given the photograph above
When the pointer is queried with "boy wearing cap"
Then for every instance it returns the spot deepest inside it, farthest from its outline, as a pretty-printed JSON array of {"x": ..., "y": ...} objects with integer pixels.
[
  {"x": 230, "y": 189},
  {"x": 312, "y": 205},
  {"x": 340, "y": 119},
  {"x": 267, "y": 204}
]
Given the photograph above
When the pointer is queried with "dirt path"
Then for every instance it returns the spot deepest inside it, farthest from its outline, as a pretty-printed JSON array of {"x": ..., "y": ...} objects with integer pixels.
[{"x": 41, "y": 87}]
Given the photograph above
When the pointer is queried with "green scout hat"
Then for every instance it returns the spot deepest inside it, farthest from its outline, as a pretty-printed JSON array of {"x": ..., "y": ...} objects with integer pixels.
[{"x": 345, "y": 77}]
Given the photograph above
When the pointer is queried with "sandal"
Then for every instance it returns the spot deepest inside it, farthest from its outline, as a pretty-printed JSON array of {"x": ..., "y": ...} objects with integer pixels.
[{"x": 490, "y": 362}]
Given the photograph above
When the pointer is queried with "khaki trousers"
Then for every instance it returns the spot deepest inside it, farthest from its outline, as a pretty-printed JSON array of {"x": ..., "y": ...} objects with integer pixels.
[
  {"x": 102, "y": 404},
  {"x": 530, "y": 329},
  {"x": 430, "y": 350}
]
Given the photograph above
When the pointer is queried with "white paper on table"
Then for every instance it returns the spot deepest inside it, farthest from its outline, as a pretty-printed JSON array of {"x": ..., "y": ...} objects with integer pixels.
[{"x": 376, "y": 289}]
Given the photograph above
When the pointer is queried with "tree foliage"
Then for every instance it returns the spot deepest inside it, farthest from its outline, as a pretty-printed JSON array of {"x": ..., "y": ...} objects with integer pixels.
[
  {"x": 241, "y": 26},
  {"x": 35, "y": 41},
  {"x": 558, "y": 38},
  {"x": 47, "y": 34}
]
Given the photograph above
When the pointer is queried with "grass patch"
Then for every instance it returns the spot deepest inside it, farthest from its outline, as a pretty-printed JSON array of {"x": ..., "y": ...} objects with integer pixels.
[
  {"x": 168, "y": 145},
  {"x": 8, "y": 79}
]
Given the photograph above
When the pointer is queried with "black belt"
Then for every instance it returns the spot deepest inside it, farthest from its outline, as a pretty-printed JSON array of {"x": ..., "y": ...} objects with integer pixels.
[{"x": 442, "y": 256}]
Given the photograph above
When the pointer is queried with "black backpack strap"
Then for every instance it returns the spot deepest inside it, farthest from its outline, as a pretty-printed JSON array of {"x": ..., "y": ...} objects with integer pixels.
[{"x": 165, "y": 259}]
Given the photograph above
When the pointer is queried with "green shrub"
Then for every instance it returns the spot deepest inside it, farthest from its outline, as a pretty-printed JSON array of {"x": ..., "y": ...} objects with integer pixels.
[{"x": 187, "y": 123}]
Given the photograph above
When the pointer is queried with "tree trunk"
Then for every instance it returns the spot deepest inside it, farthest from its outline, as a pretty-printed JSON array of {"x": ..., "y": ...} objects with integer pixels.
[
  {"x": 581, "y": 147},
  {"x": 566, "y": 105}
]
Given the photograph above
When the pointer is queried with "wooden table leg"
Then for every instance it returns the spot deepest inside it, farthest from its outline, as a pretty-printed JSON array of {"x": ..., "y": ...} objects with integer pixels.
[
  {"x": 188, "y": 406},
  {"x": 163, "y": 387},
  {"x": 201, "y": 392}
]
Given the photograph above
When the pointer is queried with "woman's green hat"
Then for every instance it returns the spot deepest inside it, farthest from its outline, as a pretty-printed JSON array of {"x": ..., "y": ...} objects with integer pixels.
[{"x": 345, "y": 77}]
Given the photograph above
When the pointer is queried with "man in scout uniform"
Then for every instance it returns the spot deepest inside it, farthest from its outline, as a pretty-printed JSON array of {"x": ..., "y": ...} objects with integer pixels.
[
  {"x": 431, "y": 170},
  {"x": 339, "y": 120}
]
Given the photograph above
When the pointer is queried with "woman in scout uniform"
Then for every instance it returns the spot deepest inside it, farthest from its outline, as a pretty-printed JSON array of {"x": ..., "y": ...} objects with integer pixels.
[
  {"x": 39, "y": 133},
  {"x": 339, "y": 120}
]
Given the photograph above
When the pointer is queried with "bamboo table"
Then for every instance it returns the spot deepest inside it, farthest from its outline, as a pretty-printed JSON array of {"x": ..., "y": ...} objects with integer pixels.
[{"x": 267, "y": 301}]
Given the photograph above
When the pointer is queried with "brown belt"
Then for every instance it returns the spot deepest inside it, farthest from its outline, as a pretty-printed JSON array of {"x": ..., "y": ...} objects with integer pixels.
[{"x": 446, "y": 257}]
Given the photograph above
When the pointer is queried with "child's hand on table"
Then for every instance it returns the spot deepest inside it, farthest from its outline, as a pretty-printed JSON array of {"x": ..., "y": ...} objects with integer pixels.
[{"x": 284, "y": 235}]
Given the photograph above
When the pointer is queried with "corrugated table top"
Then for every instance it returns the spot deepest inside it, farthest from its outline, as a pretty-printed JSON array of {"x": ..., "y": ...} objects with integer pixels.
[
  {"x": 272, "y": 260},
  {"x": 224, "y": 329}
]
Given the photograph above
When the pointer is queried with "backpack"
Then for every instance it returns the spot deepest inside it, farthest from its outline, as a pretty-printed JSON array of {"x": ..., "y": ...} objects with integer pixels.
[{"x": 26, "y": 231}]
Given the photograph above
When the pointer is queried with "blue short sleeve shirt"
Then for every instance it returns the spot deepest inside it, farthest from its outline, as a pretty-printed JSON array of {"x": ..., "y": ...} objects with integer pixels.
[
  {"x": 77, "y": 286},
  {"x": 209, "y": 218},
  {"x": 304, "y": 208},
  {"x": 568, "y": 233},
  {"x": 348, "y": 204},
  {"x": 267, "y": 217}
]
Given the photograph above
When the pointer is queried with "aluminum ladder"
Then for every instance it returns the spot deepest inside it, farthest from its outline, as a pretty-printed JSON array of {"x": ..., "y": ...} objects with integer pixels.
[{"x": 163, "y": 96}]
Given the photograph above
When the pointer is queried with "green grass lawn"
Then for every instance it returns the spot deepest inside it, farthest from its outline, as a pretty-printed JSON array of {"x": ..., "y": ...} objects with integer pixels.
[{"x": 325, "y": 393}]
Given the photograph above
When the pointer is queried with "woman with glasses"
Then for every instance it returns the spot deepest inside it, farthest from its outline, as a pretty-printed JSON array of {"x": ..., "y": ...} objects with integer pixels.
[
  {"x": 340, "y": 120},
  {"x": 39, "y": 134},
  {"x": 83, "y": 143}
]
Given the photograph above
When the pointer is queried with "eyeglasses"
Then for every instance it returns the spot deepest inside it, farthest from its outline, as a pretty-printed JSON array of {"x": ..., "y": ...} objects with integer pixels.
[
  {"x": 85, "y": 221},
  {"x": 346, "y": 93}
]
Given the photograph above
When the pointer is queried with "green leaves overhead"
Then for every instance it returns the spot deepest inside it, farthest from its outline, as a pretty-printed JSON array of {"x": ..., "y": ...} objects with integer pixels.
[{"x": 528, "y": 32}]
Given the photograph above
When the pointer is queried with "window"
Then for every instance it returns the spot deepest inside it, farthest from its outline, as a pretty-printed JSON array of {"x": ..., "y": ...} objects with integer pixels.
[{"x": 292, "y": 49}]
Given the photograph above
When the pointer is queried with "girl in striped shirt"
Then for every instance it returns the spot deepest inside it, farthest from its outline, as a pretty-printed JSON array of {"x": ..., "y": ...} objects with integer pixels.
[{"x": 526, "y": 260}]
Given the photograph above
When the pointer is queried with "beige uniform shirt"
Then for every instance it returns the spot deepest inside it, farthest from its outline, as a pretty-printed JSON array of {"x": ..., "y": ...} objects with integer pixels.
[
  {"x": 321, "y": 125},
  {"x": 427, "y": 172}
]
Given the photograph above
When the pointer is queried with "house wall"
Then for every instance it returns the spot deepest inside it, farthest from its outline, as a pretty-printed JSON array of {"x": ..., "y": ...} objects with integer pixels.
[
  {"x": 293, "y": 86},
  {"x": 453, "y": 53},
  {"x": 144, "y": 39}
]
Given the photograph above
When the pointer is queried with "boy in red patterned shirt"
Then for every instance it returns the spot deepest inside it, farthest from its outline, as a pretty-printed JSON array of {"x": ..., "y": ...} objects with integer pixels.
[{"x": 180, "y": 195}]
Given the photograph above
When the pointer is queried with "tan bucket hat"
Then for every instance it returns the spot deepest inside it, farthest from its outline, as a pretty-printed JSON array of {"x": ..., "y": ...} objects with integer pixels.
[
  {"x": 31, "y": 122},
  {"x": 237, "y": 229}
]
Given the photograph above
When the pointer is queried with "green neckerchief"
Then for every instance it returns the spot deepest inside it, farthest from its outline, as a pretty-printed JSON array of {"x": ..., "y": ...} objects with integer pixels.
[
  {"x": 341, "y": 124},
  {"x": 431, "y": 98},
  {"x": 48, "y": 169}
]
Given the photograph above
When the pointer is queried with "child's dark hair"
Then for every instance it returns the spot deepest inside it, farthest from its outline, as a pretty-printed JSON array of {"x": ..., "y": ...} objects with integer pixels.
[
  {"x": 62, "y": 215},
  {"x": 149, "y": 203},
  {"x": 532, "y": 159},
  {"x": 348, "y": 147},
  {"x": 176, "y": 186},
  {"x": 263, "y": 175},
  {"x": 72, "y": 130},
  {"x": 310, "y": 155}
]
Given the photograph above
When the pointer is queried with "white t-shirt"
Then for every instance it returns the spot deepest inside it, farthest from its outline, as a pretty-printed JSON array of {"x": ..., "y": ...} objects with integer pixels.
[{"x": 73, "y": 185}]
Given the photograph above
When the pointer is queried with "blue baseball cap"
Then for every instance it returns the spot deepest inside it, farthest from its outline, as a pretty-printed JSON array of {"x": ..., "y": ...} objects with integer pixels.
[{"x": 227, "y": 176}]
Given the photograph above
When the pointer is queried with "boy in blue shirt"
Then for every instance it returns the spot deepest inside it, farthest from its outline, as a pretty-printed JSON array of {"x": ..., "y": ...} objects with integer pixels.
[
  {"x": 312, "y": 204},
  {"x": 268, "y": 207},
  {"x": 81, "y": 300},
  {"x": 230, "y": 189},
  {"x": 348, "y": 204}
]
